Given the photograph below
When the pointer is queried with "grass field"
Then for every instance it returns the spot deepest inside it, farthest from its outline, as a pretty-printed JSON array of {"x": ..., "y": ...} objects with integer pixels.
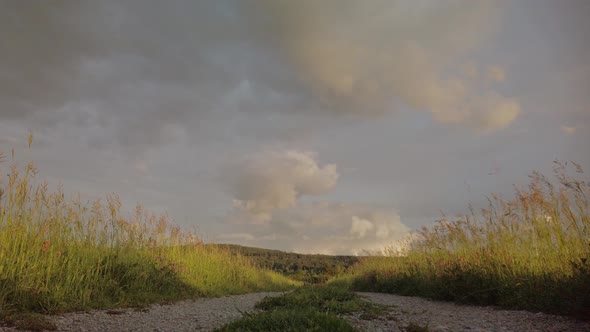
[
  {"x": 530, "y": 252},
  {"x": 59, "y": 254}
]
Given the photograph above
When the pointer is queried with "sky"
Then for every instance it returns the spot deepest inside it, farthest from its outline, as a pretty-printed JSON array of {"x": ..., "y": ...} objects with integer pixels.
[{"x": 331, "y": 127}]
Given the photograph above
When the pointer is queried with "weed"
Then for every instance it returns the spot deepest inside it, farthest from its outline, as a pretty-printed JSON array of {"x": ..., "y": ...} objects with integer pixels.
[
  {"x": 328, "y": 299},
  {"x": 293, "y": 320},
  {"x": 530, "y": 252},
  {"x": 414, "y": 327},
  {"x": 28, "y": 321}
]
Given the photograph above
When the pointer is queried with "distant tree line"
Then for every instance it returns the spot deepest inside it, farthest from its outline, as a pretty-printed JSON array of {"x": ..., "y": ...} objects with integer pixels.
[{"x": 307, "y": 268}]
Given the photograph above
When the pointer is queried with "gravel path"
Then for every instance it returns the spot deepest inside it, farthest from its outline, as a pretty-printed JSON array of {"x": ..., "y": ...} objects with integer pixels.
[
  {"x": 208, "y": 314},
  {"x": 450, "y": 317},
  {"x": 193, "y": 315}
]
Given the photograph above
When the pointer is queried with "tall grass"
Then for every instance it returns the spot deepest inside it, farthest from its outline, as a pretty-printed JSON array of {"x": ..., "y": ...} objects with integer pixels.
[
  {"x": 532, "y": 251},
  {"x": 59, "y": 254}
]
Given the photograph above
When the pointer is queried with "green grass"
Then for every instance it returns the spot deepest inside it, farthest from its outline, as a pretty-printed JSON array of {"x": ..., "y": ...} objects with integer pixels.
[
  {"x": 328, "y": 299},
  {"x": 59, "y": 254},
  {"x": 530, "y": 252},
  {"x": 309, "y": 308},
  {"x": 294, "y": 320}
]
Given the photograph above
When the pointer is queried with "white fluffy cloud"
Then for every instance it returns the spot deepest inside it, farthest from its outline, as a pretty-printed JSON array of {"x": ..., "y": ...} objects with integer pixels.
[
  {"x": 493, "y": 112},
  {"x": 276, "y": 179},
  {"x": 360, "y": 227},
  {"x": 496, "y": 73},
  {"x": 568, "y": 130},
  {"x": 327, "y": 228},
  {"x": 367, "y": 57},
  {"x": 340, "y": 228}
]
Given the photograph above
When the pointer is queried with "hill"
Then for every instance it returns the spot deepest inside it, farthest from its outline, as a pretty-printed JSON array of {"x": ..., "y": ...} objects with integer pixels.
[{"x": 303, "y": 267}]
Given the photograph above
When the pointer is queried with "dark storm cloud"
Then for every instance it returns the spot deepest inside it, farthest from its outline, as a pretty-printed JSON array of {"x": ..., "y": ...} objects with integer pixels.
[
  {"x": 151, "y": 72},
  {"x": 41, "y": 44},
  {"x": 140, "y": 69}
]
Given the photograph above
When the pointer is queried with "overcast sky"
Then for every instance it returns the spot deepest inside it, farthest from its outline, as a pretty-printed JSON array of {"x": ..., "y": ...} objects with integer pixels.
[{"x": 329, "y": 126}]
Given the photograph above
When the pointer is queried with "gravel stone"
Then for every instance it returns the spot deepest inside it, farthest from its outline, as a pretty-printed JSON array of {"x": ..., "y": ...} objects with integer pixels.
[
  {"x": 210, "y": 313},
  {"x": 451, "y": 317}
]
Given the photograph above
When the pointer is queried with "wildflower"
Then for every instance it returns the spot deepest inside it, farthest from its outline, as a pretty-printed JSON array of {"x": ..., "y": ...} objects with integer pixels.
[{"x": 45, "y": 246}]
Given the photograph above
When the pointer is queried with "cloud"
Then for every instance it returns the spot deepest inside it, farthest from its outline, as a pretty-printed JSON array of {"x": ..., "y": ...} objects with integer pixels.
[
  {"x": 360, "y": 227},
  {"x": 276, "y": 179},
  {"x": 121, "y": 81},
  {"x": 140, "y": 167},
  {"x": 470, "y": 70},
  {"x": 235, "y": 237},
  {"x": 39, "y": 54},
  {"x": 328, "y": 228},
  {"x": 496, "y": 73},
  {"x": 494, "y": 112},
  {"x": 8, "y": 140},
  {"x": 368, "y": 58},
  {"x": 568, "y": 130},
  {"x": 146, "y": 84}
]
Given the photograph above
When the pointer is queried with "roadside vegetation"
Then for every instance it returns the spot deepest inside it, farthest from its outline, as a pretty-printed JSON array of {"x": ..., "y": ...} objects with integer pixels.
[
  {"x": 309, "y": 308},
  {"x": 59, "y": 254},
  {"x": 531, "y": 252}
]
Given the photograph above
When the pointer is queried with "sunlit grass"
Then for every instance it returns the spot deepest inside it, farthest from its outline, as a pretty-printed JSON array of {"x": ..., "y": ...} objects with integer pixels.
[
  {"x": 532, "y": 251},
  {"x": 59, "y": 254}
]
